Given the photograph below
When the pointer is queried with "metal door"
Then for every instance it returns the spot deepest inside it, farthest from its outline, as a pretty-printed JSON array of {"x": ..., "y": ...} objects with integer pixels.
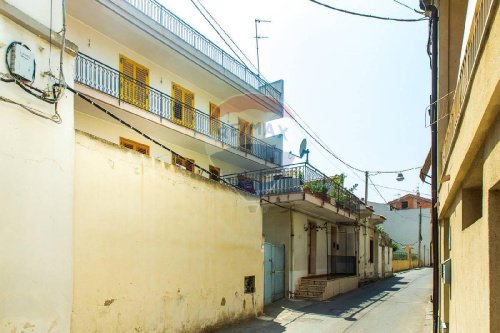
[{"x": 274, "y": 272}]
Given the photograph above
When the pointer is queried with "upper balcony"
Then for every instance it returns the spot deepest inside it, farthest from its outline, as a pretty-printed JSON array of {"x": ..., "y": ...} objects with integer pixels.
[
  {"x": 477, "y": 38},
  {"x": 302, "y": 186},
  {"x": 124, "y": 88},
  {"x": 163, "y": 38}
]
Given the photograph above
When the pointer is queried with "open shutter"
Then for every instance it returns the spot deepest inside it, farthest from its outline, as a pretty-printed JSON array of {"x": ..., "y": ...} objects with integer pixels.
[
  {"x": 215, "y": 120},
  {"x": 188, "y": 109},
  {"x": 177, "y": 104}
]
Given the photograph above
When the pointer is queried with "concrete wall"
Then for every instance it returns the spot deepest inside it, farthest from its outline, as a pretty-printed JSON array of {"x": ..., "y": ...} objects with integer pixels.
[
  {"x": 36, "y": 182},
  {"x": 158, "y": 249},
  {"x": 399, "y": 265}
]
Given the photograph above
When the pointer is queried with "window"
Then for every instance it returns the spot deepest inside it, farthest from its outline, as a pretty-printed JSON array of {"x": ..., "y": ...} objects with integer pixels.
[
  {"x": 138, "y": 147},
  {"x": 246, "y": 132},
  {"x": 184, "y": 163},
  {"x": 215, "y": 120},
  {"x": 249, "y": 284},
  {"x": 214, "y": 172},
  {"x": 134, "y": 80},
  {"x": 404, "y": 204},
  {"x": 182, "y": 106}
]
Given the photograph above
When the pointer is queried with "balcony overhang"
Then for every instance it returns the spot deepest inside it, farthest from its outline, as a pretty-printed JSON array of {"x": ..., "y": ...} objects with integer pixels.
[
  {"x": 310, "y": 205},
  {"x": 166, "y": 131},
  {"x": 147, "y": 37},
  {"x": 376, "y": 219}
]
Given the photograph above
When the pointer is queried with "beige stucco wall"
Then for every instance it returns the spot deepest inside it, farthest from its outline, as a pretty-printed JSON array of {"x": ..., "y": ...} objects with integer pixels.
[
  {"x": 36, "y": 196},
  {"x": 158, "y": 249},
  {"x": 475, "y": 158}
]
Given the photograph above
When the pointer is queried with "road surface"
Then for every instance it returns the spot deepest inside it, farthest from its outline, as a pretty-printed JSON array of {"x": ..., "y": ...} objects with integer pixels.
[{"x": 399, "y": 304}]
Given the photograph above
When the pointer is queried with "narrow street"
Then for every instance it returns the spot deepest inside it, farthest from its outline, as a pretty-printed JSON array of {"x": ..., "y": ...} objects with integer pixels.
[{"x": 398, "y": 304}]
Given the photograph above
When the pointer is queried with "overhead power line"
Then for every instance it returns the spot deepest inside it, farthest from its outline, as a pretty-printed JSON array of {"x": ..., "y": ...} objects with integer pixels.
[
  {"x": 410, "y": 8},
  {"x": 368, "y": 15}
]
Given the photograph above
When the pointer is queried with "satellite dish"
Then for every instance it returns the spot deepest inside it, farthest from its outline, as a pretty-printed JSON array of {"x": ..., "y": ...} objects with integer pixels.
[{"x": 303, "y": 150}]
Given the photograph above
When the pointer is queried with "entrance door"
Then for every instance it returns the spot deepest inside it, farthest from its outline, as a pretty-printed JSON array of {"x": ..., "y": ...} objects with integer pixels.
[
  {"x": 274, "y": 272},
  {"x": 311, "y": 244}
]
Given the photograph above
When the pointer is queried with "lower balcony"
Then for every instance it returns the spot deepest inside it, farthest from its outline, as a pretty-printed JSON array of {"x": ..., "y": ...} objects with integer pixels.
[
  {"x": 302, "y": 186},
  {"x": 111, "y": 82}
]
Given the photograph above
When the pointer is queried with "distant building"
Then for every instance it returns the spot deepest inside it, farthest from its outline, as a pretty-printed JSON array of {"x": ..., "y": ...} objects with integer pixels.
[
  {"x": 402, "y": 224},
  {"x": 410, "y": 201}
]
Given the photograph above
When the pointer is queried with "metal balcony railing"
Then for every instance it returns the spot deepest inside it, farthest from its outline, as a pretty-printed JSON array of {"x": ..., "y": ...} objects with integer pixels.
[
  {"x": 295, "y": 178},
  {"x": 475, "y": 43},
  {"x": 103, "y": 78},
  {"x": 188, "y": 34}
]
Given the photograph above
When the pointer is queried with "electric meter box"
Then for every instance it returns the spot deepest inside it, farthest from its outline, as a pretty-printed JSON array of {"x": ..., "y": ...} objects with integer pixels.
[{"x": 22, "y": 62}]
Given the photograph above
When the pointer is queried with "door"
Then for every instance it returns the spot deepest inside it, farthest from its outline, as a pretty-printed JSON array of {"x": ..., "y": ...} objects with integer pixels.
[
  {"x": 245, "y": 137},
  {"x": 311, "y": 244},
  {"x": 274, "y": 272}
]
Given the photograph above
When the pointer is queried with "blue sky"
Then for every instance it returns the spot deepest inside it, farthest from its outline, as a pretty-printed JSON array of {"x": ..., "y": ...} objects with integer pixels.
[{"x": 362, "y": 85}]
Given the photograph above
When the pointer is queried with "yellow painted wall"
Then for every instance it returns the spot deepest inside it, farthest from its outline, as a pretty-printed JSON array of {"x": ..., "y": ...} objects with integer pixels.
[
  {"x": 399, "y": 265},
  {"x": 36, "y": 191},
  {"x": 157, "y": 249}
]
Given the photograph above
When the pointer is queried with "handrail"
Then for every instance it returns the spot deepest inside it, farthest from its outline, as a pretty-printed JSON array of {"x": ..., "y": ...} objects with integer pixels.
[
  {"x": 467, "y": 69},
  {"x": 295, "y": 178},
  {"x": 188, "y": 34},
  {"x": 110, "y": 81}
]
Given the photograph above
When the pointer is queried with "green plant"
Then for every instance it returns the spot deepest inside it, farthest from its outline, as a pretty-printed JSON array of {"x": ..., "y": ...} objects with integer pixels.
[
  {"x": 379, "y": 228},
  {"x": 395, "y": 246},
  {"x": 316, "y": 186}
]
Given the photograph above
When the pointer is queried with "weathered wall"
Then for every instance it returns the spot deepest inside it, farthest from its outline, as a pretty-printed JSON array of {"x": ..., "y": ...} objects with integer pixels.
[
  {"x": 36, "y": 182},
  {"x": 158, "y": 249},
  {"x": 399, "y": 265}
]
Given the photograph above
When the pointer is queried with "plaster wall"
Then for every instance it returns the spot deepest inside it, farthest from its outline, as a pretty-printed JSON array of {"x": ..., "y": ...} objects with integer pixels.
[
  {"x": 158, "y": 249},
  {"x": 36, "y": 196}
]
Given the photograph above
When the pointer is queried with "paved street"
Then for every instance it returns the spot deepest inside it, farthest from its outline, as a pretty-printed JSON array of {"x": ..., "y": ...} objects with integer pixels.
[{"x": 398, "y": 304}]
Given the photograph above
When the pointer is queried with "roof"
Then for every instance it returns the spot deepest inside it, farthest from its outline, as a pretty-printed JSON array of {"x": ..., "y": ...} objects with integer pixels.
[
  {"x": 410, "y": 196},
  {"x": 425, "y": 168}
]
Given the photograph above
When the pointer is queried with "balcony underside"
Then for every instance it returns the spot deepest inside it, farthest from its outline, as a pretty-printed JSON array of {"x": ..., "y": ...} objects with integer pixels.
[
  {"x": 166, "y": 131},
  {"x": 309, "y": 204}
]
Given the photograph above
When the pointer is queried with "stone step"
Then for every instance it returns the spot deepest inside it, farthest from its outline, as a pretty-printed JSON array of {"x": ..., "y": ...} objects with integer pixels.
[
  {"x": 310, "y": 293},
  {"x": 311, "y": 288},
  {"x": 313, "y": 282}
]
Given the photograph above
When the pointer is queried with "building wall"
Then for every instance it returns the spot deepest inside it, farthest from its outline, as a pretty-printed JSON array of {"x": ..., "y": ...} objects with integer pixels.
[
  {"x": 36, "y": 182},
  {"x": 469, "y": 201},
  {"x": 157, "y": 249},
  {"x": 106, "y": 50}
]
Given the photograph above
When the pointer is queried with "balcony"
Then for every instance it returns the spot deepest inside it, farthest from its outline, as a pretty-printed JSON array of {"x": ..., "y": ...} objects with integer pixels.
[
  {"x": 109, "y": 81},
  {"x": 302, "y": 179},
  {"x": 195, "y": 39},
  {"x": 475, "y": 44}
]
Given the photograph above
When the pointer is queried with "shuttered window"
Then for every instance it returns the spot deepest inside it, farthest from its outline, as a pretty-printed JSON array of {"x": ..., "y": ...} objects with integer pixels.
[
  {"x": 182, "y": 106},
  {"x": 184, "y": 163},
  {"x": 134, "y": 83},
  {"x": 215, "y": 127},
  {"x": 138, "y": 147},
  {"x": 246, "y": 133},
  {"x": 214, "y": 172}
]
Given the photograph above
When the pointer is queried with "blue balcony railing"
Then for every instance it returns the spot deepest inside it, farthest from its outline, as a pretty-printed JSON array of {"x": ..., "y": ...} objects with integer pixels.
[
  {"x": 191, "y": 36},
  {"x": 105, "y": 79},
  {"x": 295, "y": 178}
]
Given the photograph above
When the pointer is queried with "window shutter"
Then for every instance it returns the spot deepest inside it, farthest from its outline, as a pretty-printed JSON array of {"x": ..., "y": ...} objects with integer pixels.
[
  {"x": 177, "y": 105},
  {"x": 189, "y": 109},
  {"x": 142, "y": 91}
]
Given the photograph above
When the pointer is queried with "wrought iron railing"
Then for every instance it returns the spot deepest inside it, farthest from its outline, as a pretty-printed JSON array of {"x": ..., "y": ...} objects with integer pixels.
[
  {"x": 295, "y": 178},
  {"x": 99, "y": 76},
  {"x": 188, "y": 34},
  {"x": 469, "y": 63}
]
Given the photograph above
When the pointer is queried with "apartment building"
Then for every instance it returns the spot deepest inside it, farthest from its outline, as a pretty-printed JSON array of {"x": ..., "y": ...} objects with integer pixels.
[{"x": 468, "y": 160}]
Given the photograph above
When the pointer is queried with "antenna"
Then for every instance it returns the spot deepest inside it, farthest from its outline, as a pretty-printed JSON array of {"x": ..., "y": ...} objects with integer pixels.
[
  {"x": 257, "y": 37},
  {"x": 303, "y": 150}
]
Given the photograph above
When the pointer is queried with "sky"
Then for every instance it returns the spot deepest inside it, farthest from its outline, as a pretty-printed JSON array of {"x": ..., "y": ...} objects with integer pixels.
[{"x": 361, "y": 84}]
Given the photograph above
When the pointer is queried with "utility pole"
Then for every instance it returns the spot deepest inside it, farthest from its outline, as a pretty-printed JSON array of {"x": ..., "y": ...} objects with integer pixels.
[
  {"x": 419, "y": 233},
  {"x": 366, "y": 188},
  {"x": 257, "y": 37}
]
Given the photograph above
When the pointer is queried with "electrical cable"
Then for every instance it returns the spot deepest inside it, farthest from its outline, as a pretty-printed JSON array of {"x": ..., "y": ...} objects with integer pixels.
[
  {"x": 368, "y": 15},
  {"x": 56, "y": 118},
  {"x": 410, "y": 8}
]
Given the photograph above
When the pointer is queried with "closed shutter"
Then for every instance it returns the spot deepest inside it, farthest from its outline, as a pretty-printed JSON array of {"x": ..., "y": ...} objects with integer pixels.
[
  {"x": 138, "y": 147},
  {"x": 183, "y": 106},
  {"x": 177, "y": 105},
  {"x": 134, "y": 83},
  {"x": 189, "y": 109}
]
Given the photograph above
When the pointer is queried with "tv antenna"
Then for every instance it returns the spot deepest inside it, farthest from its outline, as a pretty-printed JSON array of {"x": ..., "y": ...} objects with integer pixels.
[
  {"x": 257, "y": 37},
  {"x": 304, "y": 151}
]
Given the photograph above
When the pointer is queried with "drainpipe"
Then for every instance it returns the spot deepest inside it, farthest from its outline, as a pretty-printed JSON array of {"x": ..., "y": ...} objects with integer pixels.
[
  {"x": 434, "y": 159},
  {"x": 292, "y": 235}
]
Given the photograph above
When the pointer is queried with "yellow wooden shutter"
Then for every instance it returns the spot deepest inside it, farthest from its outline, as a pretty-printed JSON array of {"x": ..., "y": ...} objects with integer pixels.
[
  {"x": 215, "y": 120},
  {"x": 126, "y": 80},
  {"x": 141, "y": 89},
  {"x": 177, "y": 104},
  {"x": 188, "y": 109}
]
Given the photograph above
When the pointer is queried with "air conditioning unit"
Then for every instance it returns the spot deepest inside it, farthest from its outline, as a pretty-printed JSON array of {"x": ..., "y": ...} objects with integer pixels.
[{"x": 446, "y": 271}]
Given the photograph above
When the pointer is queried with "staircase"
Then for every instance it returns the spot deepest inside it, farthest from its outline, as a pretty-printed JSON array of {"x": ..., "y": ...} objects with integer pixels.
[{"x": 312, "y": 289}]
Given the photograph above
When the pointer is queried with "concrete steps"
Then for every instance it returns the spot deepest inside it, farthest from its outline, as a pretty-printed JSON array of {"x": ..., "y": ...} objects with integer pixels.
[{"x": 311, "y": 289}]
